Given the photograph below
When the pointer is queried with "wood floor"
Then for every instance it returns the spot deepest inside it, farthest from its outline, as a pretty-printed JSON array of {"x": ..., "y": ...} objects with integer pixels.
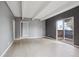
[{"x": 41, "y": 48}]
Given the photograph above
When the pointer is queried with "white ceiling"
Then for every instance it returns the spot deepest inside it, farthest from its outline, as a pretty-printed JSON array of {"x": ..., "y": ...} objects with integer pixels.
[
  {"x": 15, "y": 7},
  {"x": 39, "y": 9},
  {"x": 62, "y": 8},
  {"x": 31, "y": 9}
]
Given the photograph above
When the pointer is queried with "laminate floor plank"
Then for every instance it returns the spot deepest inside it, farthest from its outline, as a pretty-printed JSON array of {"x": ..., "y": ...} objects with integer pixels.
[{"x": 41, "y": 48}]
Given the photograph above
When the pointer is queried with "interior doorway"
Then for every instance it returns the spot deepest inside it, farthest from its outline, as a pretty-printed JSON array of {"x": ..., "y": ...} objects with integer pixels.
[
  {"x": 13, "y": 23},
  {"x": 65, "y": 30}
]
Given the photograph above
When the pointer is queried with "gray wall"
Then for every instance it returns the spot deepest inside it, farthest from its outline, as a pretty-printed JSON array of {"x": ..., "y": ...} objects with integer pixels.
[
  {"x": 6, "y": 30},
  {"x": 51, "y": 28},
  {"x": 34, "y": 29},
  {"x": 17, "y": 27},
  {"x": 51, "y": 23}
]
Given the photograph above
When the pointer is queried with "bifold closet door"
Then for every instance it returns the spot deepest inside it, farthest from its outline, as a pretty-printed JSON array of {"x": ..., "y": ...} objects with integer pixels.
[
  {"x": 26, "y": 27},
  {"x": 33, "y": 29}
]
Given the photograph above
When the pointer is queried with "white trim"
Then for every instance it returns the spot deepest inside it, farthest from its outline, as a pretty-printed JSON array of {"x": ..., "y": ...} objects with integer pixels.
[
  {"x": 56, "y": 32},
  {"x": 7, "y": 49},
  {"x": 31, "y": 37}
]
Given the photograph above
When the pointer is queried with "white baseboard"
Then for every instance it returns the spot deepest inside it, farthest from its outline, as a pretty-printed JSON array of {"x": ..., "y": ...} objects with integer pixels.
[
  {"x": 7, "y": 49},
  {"x": 28, "y": 38},
  {"x": 31, "y": 37}
]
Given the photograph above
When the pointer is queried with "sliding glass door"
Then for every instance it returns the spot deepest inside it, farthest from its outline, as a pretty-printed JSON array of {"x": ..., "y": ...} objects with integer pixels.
[
  {"x": 69, "y": 29},
  {"x": 59, "y": 29},
  {"x": 65, "y": 30}
]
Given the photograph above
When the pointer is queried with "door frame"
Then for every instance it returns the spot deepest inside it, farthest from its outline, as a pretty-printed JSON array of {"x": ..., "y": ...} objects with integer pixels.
[
  {"x": 63, "y": 28},
  {"x": 21, "y": 28},
  {"x": 72, "y": 28}
]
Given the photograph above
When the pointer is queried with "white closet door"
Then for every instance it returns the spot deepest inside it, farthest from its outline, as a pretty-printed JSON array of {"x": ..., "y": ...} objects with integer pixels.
[{"x": 26, "y": 29}]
